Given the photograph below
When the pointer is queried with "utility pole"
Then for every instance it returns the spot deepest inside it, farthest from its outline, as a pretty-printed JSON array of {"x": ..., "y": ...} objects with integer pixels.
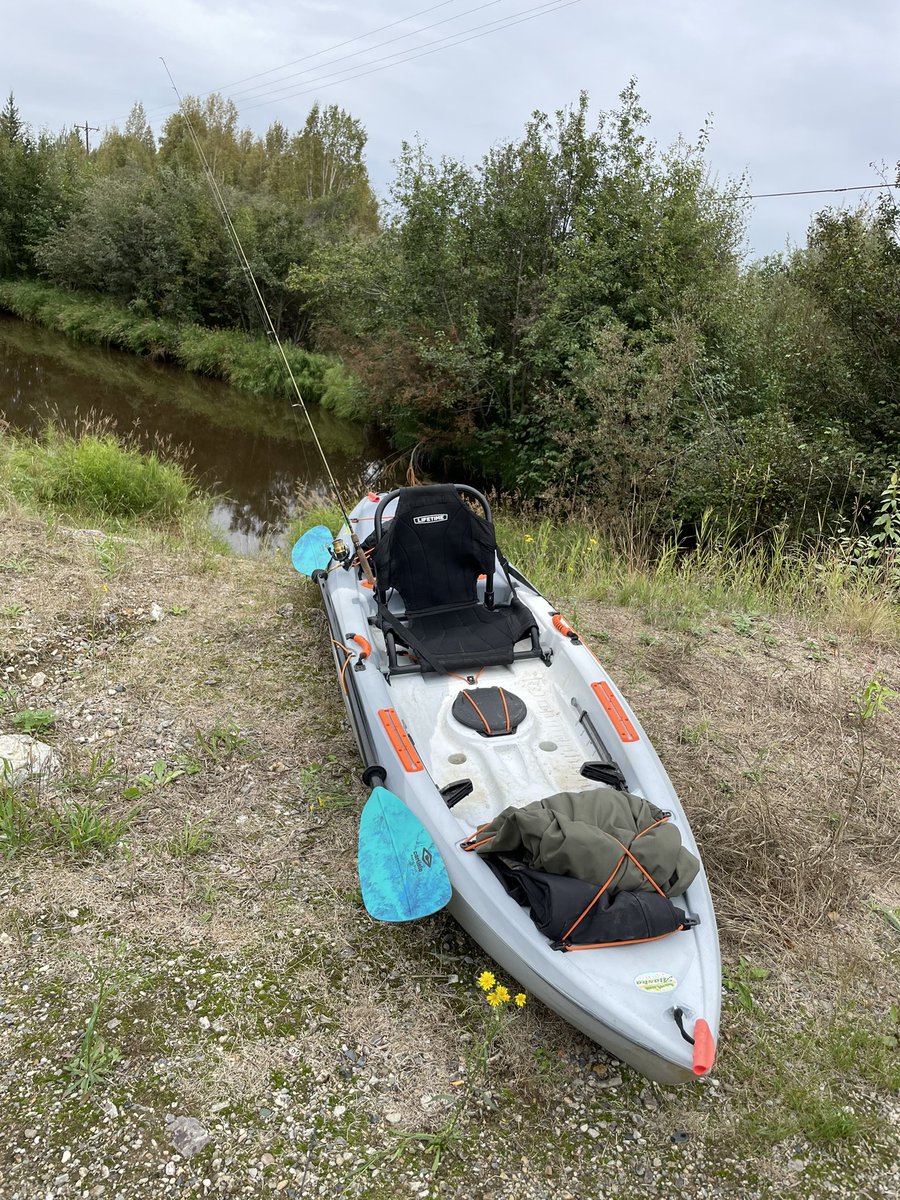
[{"x": 88, "y": 129}]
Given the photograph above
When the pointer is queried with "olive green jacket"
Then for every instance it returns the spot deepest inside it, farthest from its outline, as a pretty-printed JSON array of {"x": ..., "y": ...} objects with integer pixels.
[{"x": 586, "y": 834}]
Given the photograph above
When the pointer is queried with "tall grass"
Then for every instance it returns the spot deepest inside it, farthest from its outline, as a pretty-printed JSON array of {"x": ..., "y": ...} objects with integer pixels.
[
  {"x": 677, "y": 586},
  {"x": 250, "y": 364},
  {"x": 96, "y": 475}
]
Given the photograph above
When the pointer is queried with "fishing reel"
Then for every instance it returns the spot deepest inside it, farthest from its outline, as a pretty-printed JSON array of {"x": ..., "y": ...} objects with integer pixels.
[{"x": 340, "y": 552}]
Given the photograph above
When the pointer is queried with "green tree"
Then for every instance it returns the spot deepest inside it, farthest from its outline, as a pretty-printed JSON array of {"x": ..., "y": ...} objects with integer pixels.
[
  {"x": 11, "y": 126},
  {"x": 578, "y": 251}
]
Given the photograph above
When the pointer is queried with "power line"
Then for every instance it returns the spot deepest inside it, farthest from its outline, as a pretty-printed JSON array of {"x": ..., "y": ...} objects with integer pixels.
[
  {"x": 88, "y": 130},
  {"x": 529, "y": 15},
  {"x": 864, "y": 187},
  {"x": 356, "y": 53},
  {"x": 318, "y": 53}
]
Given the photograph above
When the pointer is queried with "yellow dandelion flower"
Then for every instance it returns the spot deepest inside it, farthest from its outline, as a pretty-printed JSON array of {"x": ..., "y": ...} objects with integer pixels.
[
  {"x": 501, "y": 991},
  {"x": 520, "y": 1000},
  {"x": 593, "y": 541},
  {"x": 528, "y": 537},
  {"x": 494, "y": 1000},
  {"x": 486, "y": 981}
]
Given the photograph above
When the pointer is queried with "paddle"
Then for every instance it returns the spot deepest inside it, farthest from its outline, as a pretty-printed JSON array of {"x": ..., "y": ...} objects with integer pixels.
[
  {"x": 312, "y": 552},
  {"x": 401, "y": 873}
]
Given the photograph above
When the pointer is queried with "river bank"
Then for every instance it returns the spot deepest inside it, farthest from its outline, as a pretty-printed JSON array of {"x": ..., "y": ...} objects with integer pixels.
[
  {"x": 249, "y": 364},
  {"x": 203, "y": 904},
  {"x": 253, "y": 453}
]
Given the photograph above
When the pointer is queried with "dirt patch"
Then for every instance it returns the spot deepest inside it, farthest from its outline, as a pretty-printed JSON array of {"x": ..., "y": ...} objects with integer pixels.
[{"x": 243, "y": 983}]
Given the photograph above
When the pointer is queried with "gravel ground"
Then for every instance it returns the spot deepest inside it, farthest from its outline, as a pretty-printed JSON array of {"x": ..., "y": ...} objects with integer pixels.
[{"x": 254, "y": 1033}]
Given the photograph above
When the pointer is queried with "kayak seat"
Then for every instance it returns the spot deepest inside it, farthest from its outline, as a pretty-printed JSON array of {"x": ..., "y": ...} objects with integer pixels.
[{"x": 432, "y": 554}]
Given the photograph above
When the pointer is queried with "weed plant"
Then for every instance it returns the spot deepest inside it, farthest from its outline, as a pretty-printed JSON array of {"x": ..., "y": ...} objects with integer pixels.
[
  {"x": 34, "y": 721},
  {"x": 193, "y": 839},
  {"x": 96, "y": 475},
  {"x": 81, "y": 826},
  {"x": 94, "y": 1059}
]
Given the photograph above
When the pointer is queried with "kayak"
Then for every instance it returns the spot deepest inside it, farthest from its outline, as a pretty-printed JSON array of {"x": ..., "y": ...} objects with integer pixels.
[{"x": 470, "y": 695}]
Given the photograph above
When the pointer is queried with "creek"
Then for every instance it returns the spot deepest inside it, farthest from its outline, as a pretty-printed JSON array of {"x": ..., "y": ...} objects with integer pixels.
[{"x": 254, "y": 453}]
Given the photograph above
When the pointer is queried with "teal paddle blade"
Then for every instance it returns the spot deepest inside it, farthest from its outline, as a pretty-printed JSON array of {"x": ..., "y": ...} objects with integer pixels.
[
  {"x": 312, "y": 552},
  {"x": 401, "y": 873}
]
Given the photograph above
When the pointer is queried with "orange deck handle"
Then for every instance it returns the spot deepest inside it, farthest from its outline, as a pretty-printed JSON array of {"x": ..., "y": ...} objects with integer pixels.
[
  {"x": 373, "y": 496},
  {"x": 564, "y": 628},
  {"x": 616, "y": 713},
  {"x": 365, "y": 648},
  {"x": 400, "y": 740},
  {"x": 704, "y": 1047}
]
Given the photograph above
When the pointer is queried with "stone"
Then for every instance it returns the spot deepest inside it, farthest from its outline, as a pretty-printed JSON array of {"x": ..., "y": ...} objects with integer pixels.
[
  {"x": 22, "y": 757},
  {"x": 38, "y": 679},
  {"x": 187, "y": 1135},
  {"x": 157, "y": 612}
]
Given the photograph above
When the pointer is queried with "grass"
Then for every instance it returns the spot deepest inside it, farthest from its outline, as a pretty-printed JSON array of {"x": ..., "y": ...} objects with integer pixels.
[
  {"x": 18, "y": 821},
  {"x": 250, "y": 364},
  {"x": 95, "y": 475},
  {"x": 194, "y": 837},
  {"x": 99, "y": 771},
  {"x": 262, "y": 936},
  {"x": 678, "y": 587},
  {"x": 313, "y": 513},
  {"x": 813, "y": 1067}
]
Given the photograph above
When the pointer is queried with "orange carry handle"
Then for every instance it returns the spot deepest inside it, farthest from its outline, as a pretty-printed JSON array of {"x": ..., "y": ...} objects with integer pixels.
[
  {"x": 564, "y": 628},
  {"x": 704, "y": 1047},
  {"x": 400, "y": 740},
  {"x": 616, "y": 713},
  {"x": 365, "y": 648}
]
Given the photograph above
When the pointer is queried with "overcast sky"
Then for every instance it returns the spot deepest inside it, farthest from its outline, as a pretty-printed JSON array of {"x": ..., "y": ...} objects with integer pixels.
[{"x": 802, "y": 93}]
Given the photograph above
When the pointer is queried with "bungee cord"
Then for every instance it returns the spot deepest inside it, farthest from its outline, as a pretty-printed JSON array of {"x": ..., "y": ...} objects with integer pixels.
[{"x": 268, "y": 324}]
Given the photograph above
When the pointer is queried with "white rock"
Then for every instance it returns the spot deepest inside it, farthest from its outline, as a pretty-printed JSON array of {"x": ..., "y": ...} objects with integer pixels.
[
  {"x": 157, "y": 612},
  {"x": 38, "y": 679},
  {"x": 22, "y": 756},
  {"x": 393, "y": 1118}
]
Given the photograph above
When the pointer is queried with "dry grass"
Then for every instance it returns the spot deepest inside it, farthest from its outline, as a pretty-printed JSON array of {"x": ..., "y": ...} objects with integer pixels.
[
  {"x": 761, "y": 735},
  {"x": 264, "y": 933}
]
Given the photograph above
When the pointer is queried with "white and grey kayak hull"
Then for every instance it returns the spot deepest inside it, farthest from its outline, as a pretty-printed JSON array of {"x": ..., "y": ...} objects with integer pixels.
[{"x": 624, "y": 997}]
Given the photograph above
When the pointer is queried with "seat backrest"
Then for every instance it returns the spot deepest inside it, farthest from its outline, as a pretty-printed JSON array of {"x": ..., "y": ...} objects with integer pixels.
[{"x": 433, "y": 549}]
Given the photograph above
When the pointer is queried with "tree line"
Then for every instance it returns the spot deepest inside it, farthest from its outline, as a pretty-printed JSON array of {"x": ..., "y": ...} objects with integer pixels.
[{"x": 572, "y": 318}]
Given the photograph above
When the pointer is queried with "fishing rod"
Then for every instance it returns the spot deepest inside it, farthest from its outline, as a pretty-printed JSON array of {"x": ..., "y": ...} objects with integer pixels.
[{"x": 268, "y": 324}]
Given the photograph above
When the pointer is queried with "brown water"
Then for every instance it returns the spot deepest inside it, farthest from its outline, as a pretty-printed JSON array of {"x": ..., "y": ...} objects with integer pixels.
[{"x": 253, "y": 452}]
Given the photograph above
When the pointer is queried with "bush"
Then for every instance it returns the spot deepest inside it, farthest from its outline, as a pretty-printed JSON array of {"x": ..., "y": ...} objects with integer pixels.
[{"x": 97, "y": 475}]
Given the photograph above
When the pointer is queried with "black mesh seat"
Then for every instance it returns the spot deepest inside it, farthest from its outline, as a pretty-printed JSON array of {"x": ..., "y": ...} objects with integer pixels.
[
  {"x": 432, "y": 553},
  {"x": 476, "y": 636}
]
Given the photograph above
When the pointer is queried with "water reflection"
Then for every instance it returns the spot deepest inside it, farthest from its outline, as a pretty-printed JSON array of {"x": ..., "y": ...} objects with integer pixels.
[{"x": 253, "y": 452}]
